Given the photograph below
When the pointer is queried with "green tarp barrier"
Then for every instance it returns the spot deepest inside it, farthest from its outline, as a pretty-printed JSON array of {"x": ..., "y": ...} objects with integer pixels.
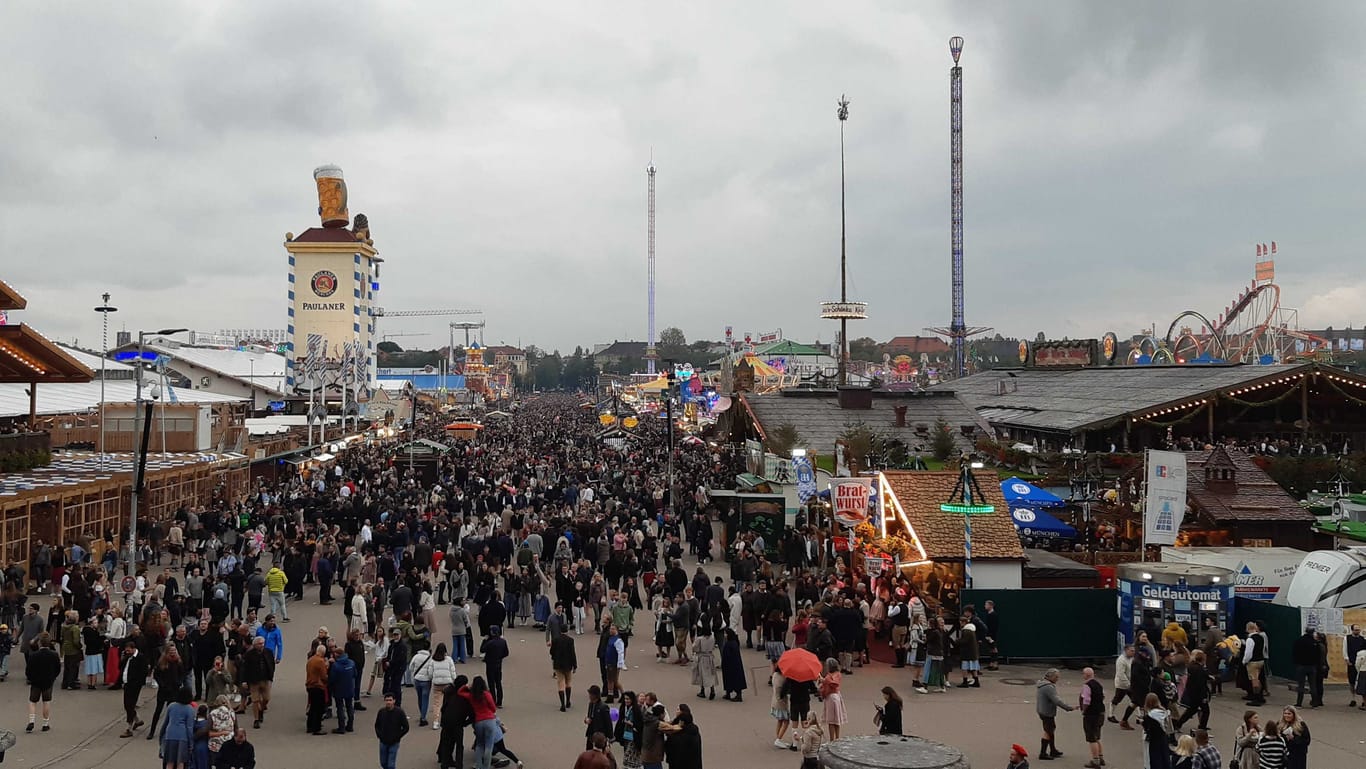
[
  {"x": 1061, "y": 623},
  {"x": 1282, "y": 627}
]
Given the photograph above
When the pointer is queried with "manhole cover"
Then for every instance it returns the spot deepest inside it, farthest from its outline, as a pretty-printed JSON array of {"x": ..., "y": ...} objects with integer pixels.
[{"x": 1015, "y": 681}]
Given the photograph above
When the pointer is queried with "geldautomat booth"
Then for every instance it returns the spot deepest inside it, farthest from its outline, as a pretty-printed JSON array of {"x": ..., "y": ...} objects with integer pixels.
[{"x": 1153, "y": 594}]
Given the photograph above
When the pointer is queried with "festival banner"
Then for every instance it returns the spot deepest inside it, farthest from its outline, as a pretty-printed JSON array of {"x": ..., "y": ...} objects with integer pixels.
[
  {"x": 1166, "y": 498},
  {"x": 805, "y": 475}
]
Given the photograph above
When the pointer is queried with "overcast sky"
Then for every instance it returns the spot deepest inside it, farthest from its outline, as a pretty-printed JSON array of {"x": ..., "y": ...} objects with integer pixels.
[{"x": 1119, "y": 167}]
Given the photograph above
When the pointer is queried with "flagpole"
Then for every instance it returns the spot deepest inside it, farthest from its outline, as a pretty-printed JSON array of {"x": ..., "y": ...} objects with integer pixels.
[
  {"x": 308, "y": 375},
  {"x": 1143, "y": 536},
  {"x": 346, "y": 363}
]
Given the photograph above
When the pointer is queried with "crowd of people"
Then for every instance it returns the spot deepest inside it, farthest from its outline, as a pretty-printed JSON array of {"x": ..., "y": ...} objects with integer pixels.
[
  {"x": 1167, "y": 684},
  {"x": 539, "y": 523},
  {"x": 538, "y": 511}
]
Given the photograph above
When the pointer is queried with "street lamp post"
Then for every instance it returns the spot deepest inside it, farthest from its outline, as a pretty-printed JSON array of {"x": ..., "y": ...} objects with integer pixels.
[
  {"x": 1083, "y": 490},
  {"x": 104, "y": 309},
  {"x": 140, "y": 466}
]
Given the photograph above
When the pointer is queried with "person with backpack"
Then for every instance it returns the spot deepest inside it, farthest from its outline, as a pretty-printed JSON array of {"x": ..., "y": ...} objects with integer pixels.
[{"x": 420, "y": 671}]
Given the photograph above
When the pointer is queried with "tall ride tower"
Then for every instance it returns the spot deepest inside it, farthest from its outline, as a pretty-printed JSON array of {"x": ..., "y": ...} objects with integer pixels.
[
  {"x": 651, "y": 355},
  {"x": 957, "y": 332}
]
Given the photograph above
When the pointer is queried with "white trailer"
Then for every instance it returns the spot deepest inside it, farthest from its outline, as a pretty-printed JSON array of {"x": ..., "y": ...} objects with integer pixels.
[
  {"x": 1330, "y": 579},
  {"x": 1261, "y": 573}
]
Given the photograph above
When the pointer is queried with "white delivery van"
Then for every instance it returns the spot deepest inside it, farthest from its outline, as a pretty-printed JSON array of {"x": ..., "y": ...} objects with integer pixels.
[
  {"x": 1330, "y": 579},
  {"x": 1261, "y": 573}
]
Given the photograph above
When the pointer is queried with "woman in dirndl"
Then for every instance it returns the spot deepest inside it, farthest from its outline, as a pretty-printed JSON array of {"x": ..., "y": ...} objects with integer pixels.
[
  {"x": 969, "y": 653},
  {"x": 775, "y": 635},
  {"x": 116, "y": 632},
  {"x": 778, "y": 709},
  {"x": 936, "y": 644},
  {"x": 834, "y": 701},
  {"x": 92, "y": 641}
]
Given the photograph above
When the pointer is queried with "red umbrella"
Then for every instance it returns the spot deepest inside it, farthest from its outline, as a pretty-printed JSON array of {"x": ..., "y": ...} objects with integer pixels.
[{"x": 799, "y": 665}]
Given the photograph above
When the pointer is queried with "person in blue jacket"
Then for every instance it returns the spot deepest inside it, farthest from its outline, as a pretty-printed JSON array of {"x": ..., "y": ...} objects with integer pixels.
[
  {"x": 275, "y": 640},
  {"x": 341, "y": 683}
]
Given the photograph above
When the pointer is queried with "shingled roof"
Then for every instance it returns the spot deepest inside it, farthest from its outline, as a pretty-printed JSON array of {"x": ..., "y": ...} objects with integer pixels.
[
  {"x": 1074, "y": 400},
  {"x": 820, "y": 421},
  {"x": 920, "y": 493},
  {"x": 1252, "y": 496}
]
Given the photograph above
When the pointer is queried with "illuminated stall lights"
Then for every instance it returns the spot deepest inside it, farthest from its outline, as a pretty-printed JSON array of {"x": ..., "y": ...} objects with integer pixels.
[
  {"x": 22, "y": 358},
  {"x": 890, "y": 501}
]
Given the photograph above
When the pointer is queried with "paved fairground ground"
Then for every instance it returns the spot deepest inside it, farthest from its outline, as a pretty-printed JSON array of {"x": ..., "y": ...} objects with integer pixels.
[{"x": 982, "y": 722}]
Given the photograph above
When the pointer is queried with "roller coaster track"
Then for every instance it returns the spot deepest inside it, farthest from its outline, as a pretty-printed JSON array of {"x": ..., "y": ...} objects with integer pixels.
[{"x": 1248, "y": 329}]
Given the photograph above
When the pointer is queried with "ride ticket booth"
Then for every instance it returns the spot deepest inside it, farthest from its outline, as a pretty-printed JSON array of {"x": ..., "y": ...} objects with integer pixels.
[{"x": 1153, "y": 594}]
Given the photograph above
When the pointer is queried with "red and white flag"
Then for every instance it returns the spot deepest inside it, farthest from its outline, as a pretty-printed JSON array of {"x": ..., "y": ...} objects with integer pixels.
[
  {"x": 1273, "y": 246},
  {"x": 1259, "y": 251}
]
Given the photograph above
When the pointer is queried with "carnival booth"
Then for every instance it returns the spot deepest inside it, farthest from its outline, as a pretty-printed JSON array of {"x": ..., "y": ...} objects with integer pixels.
[
  {"x": 1152, "y": 594},
  {"x": 937, "y": 546},
  {"x": 464, "y": 430}
]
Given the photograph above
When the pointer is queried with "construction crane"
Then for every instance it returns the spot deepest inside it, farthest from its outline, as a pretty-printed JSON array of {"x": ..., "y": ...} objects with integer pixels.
[
  {"x": 387, "y": 337},
  {"x": 380, "y": 312}
]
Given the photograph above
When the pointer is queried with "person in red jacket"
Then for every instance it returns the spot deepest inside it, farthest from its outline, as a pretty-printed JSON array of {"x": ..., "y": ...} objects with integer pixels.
[{"x": 486, "y": 731}]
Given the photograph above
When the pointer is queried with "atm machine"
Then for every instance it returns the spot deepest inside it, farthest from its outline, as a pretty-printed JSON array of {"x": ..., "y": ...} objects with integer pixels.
[{"x": 1154, "y": 594}]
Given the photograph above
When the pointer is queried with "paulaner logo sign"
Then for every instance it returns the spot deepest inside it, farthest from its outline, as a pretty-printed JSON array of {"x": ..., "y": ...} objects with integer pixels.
[{"x": 324, "y": 283}]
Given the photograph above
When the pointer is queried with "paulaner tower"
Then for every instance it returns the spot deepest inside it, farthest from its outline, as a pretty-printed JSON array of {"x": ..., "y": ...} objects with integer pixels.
[{"x": 333, "y": 286}]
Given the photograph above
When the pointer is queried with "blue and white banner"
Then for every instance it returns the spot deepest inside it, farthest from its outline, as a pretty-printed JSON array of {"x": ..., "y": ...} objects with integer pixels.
[
  {"x": 1165, "y": 503},
  {"x": 806, "y": 478}
]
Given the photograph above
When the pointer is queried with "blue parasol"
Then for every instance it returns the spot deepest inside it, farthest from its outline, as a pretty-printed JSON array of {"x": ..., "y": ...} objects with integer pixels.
[
  {"x": 1020, "y": 494},
  {"x": 1037, "y": 523}
]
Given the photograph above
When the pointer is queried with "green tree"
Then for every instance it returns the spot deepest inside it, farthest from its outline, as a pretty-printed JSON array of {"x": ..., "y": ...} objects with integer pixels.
[
  {"x": 861, "y": 444},
  {"x": 866, "y": 349},
  {"x": 784, "y": 439},
  {"x": 388, "y": 347},
  {"x": 672, "y": 338},
  {"x": 941, "y": 440},
  {"x": 547, "y": 373}
]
